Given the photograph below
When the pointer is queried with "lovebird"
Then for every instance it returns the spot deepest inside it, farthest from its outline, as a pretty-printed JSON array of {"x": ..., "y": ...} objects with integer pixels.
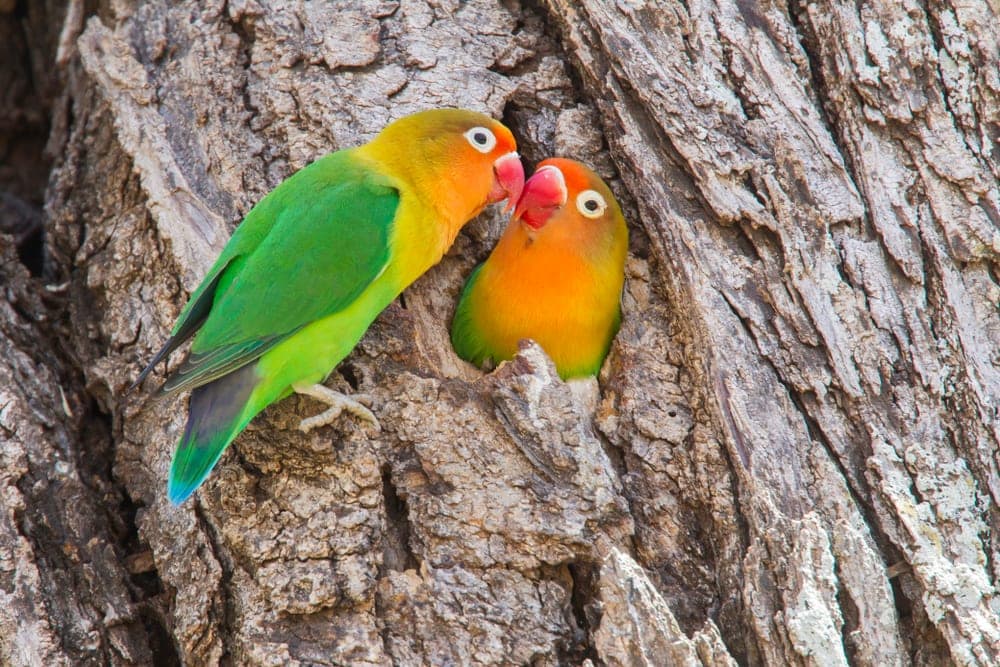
[
  {"x": 312, "y": 265},
  {"x": 556, "y": 275}
]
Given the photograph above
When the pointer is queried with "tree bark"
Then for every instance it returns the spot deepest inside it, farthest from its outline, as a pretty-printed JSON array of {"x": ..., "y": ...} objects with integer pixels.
[{"x": 790, "y": 457}]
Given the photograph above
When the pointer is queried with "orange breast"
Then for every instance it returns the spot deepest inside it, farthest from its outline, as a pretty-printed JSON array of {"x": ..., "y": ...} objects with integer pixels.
[{"x": 545, "y": 290}]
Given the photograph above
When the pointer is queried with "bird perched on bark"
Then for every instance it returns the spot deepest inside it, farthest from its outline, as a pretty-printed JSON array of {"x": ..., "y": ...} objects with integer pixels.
[
  {"x": 313, "y": 264},
  {"x": 556, "y": 275}
]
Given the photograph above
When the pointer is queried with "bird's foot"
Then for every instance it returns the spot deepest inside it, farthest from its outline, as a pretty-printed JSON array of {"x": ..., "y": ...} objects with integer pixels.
[{"x": 338, "y": 403}]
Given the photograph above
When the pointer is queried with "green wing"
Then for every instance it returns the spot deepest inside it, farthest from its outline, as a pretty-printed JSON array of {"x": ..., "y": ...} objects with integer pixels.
[
  {"x": 309, "y": 249},
  {"x": 465, "y": 339}
]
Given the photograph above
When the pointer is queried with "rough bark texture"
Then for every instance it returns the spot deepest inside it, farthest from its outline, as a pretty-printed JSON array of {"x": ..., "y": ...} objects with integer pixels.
[{"x": 792, "y": 453}]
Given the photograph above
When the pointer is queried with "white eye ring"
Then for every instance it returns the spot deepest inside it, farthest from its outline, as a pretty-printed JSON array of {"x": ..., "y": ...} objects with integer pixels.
[
  {"x": 481, "y": 138},
  {"x": 591, "y": 204}
]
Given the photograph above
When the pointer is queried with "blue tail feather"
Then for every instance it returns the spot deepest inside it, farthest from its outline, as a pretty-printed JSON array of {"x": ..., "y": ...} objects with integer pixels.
[{"x": 216, "y": 415}]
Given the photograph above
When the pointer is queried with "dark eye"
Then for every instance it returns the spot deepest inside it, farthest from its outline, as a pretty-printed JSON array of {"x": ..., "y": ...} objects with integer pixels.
[
  {"x": 482, "y": 139},
  {"x": 590, "y": 203}
]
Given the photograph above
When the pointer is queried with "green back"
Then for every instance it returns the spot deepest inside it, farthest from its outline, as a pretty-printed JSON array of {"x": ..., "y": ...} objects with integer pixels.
[{"x": 306, "y": 251}]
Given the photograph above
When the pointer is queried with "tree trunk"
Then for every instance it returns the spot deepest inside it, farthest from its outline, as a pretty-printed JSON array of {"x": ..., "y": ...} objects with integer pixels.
[{"x": 792, "y": 455}]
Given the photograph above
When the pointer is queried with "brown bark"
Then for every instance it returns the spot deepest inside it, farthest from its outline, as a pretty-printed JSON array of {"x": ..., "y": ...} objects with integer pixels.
[{"x": 791, "y": 456}]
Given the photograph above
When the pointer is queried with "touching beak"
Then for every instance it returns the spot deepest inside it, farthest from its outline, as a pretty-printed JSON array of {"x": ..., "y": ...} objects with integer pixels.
[
  {"x": 544, "y": 193},
  {"x": 508, "y": 180}
]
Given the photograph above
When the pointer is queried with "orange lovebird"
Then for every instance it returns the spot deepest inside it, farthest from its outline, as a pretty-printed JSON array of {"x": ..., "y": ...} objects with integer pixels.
[{"x": 556, "y": 276}]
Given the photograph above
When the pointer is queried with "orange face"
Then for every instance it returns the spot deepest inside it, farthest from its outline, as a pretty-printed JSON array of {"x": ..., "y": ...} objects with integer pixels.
[
  {"x": 565, "y": 202},
  {"x": 462, "y": 159},
  {"x": 495, "y": 145},
  {"x": 481, "y": 162}
]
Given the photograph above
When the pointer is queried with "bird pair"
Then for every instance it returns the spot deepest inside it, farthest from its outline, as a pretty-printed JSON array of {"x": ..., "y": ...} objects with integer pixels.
[{"x": 318, "y": 258}]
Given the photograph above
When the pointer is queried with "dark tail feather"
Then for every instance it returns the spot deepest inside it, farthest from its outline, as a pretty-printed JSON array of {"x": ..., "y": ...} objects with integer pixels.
[
  {"x": 192, "y": 322},
  {"x": 217, "y": 412},
  {"x": 172, "y": 344}
]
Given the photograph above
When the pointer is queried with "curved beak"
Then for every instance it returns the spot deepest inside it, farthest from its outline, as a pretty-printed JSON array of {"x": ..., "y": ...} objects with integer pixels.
[
  {"x": 544, "y": 193},
  {"x": 508, "y": 180}
]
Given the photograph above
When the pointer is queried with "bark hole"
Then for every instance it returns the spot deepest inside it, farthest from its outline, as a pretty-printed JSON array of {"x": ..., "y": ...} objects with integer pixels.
[
  {"x": 349, "y": 372},
  {"x": 24, "y": 128},
  {"x": 852, "y": 621},
  {"x": 586, "y": 611},
  {"x": 397, "y": 554},
  {"x": 926, "y": 644},
  {"x": 161, "y": 644},
  {"x": 23, "y": 222}
]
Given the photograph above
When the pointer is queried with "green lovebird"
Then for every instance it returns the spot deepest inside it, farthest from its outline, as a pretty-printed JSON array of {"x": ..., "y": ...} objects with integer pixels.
[
  {"x": 315, "y": 262},
  {"x": 555, "y": 276}
]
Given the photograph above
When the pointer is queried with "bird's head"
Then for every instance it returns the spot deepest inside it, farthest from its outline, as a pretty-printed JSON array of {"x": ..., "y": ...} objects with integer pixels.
[
  {"x": 459, "y": 160},
  {"x": 566, "y": 201}
]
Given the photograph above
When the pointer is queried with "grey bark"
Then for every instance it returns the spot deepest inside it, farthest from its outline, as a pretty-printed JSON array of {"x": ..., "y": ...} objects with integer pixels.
[{"x": 790, "y": 456}]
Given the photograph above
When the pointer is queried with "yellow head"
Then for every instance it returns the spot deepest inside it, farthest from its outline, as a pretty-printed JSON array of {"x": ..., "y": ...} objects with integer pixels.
[{"x": 457, "y": 160}]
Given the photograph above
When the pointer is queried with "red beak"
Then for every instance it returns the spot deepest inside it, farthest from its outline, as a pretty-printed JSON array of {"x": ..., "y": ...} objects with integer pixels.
[
  {"x": 544, "y": 193},
  {"x": 508, "y": 180}
]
